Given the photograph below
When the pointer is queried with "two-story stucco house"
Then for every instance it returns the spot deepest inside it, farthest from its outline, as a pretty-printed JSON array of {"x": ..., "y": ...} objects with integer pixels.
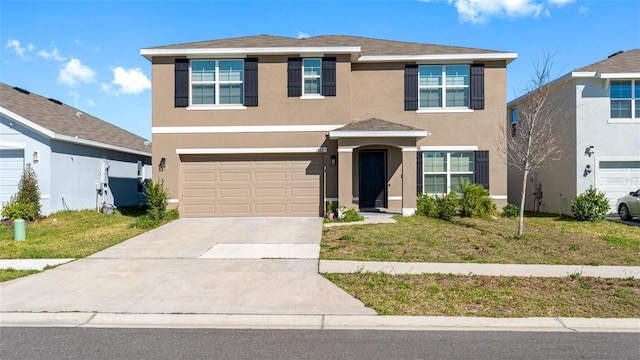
[
  {"x": 276, "y": 126},
  {"x": 600, "y": 108}
]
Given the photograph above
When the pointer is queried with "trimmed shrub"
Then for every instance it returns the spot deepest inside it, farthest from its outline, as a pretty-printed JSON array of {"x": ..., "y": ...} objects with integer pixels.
[
  {"x": 350, "y": 215},
  {"x": 591, "y": 205},
  {"x": 510, "y": 211},
  {"x": 145, "y": 222},
  {"x": 475, "y": 201},
  {"x": 426, "y": 206},
  {"x": 447, "y": 205},
  {"x": 26, "y": 203},
  {"x": 157, "y": 199},
  {"x": 172, "y": 214}
]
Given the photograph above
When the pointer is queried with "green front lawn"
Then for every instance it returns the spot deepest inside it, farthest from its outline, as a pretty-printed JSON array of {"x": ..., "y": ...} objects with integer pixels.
[
  {"x": 547, "y": 240},
  {"x": 70, "y": 234}
]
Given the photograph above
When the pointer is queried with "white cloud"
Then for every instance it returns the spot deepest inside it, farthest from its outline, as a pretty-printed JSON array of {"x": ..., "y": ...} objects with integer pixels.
[
  {"x": 91, "y": 102},
  {"x": 17, "y": 48},
  {"x": 479, "y": 11},
  {"x": 130, "y": 81},
  {"x": 54, "y": 54},
  {"x": 583, "y": 10},
  {"x": 74, "y": 72},
  {"x": 302, "y": 35},
  {"x": 75, "y": 97}
]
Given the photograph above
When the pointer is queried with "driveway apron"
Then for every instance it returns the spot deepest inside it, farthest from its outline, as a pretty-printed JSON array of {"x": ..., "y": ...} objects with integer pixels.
[{"x": 201, "y": 266}]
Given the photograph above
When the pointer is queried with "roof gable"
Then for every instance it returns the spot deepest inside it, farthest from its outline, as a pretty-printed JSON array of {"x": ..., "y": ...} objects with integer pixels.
[{"x": 62, "y": 119}]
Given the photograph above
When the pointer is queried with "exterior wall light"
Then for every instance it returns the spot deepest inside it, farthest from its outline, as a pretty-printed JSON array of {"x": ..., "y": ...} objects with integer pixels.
[
  {"x": 36, "y": 156},
  {"x": 333, "y": 159},
  {"x": 162, "y": 164}
]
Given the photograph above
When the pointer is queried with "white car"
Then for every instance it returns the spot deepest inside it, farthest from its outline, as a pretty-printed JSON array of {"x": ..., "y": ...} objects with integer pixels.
[{"x": 629, "y": 205}]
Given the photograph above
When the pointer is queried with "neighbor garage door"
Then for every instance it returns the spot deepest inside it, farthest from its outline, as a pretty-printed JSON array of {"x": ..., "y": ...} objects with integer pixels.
[
  {"x": 618, "y": 178},
  {"x": 11, "y": 168},
  {"x": 251, "y": 186}
]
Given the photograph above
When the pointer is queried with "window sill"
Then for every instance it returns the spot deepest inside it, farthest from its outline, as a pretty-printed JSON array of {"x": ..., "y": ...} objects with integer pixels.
[
  {"x": 312, "y": 97},
  {"x": 623, "y": 121},
  {"x": 217, "y": 107},
  {"x": 443, "y": 110}
]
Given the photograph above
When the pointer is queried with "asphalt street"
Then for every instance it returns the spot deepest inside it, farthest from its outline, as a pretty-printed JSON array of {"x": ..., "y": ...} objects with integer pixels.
[{"x": 98, "y": 343}]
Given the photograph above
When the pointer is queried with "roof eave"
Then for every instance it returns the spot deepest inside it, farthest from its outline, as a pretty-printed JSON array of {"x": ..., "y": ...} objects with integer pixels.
[
  {"x": 200, "y": 52},
  {"x": 434, "y": 58}
]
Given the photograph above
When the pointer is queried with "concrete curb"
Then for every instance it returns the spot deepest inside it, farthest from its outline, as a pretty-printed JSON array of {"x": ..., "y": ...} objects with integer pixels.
[
  {"x": 317, "y": 322},
  {"x": 31, "y": 264},
  {"x": 346, "y": 266}
]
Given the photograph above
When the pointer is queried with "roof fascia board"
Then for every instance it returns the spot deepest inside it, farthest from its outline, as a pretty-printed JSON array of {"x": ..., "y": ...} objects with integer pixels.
[
  {"x": 439, "y": 57},
  {"x": 375, "y": 134},
  {"x": 150, "y": 53},
  {"x": 29, "y": 124},
  {"x": 97, "y": 144},
  {"x": 601, "y": 75},
  {"x": 564, "y": 78}
]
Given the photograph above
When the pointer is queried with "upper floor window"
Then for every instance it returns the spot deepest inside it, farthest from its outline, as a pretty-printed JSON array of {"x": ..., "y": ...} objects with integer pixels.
[
  {"x": 443, "y": 86},
  {"x": 217, "y": 82},
  {"x": 625, "y": 99},
  {"x": 311, "y": 76}
]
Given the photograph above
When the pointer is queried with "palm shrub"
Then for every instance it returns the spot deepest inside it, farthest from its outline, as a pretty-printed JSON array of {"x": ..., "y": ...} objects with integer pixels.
[
  {"x": 591, "y": 205},
  {"x": 475, "y": 201},
  {"x": 26, "y": 203}
]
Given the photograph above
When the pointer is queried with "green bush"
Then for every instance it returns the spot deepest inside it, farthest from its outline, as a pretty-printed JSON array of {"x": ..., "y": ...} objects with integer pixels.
[
  {"x": 510, "y": 211},
  {"x": 157, "y": 199},
  {"x": 351, "y": 215},
  {"x": 26, "y": 203},
  {"x": 447, "y": 205},
  {"x": 172, "y": 214},
  {"x": 475, "y": 201},
  {"x": 426, "y": 206},
  {"x": 145, "y": 222},
  {"x": 591, "y": 205}
]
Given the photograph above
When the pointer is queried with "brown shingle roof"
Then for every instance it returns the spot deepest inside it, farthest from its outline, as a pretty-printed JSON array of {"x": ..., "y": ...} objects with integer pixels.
[
  {"x": 369, "y": 46},
  {"x": 628, "y": 61},
  {"x": 64, "y": 120},
  {"x": 375, "y": 124}
]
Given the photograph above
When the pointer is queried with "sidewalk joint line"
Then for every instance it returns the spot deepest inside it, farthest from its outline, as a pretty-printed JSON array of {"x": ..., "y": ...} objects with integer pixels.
[{"x": 565, "y": 325}]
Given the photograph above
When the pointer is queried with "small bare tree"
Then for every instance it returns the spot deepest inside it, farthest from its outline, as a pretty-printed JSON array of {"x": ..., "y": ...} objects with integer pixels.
[{"x": 538, "y": 134}]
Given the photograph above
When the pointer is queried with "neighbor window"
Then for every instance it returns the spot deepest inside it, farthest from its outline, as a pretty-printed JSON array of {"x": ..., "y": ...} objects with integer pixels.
[
  {"x": 514, "y": 121},
  {"x": 625, "y": 99},
  {"x": 444, "y": 171},
  {"x": 443, "y": 86},
  {"x": 311, "y": 76},
  {"x": 217, "y": 82}
]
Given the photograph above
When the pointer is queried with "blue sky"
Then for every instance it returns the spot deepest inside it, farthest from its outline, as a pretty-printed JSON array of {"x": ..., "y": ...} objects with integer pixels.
[{"x": 86, "y": 53}]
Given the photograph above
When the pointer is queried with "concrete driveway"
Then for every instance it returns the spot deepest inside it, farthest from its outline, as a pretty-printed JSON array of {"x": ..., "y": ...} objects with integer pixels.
[{"x": 201, "y": 266}]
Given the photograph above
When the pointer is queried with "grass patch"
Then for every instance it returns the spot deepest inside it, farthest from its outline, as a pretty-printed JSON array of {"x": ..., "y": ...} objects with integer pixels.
[
  {"x": 486, "y": 296},
  {"x": 547, "y": 240},
  {"x": 10, "y": 274},
  {"x": 70, "y": 234}
]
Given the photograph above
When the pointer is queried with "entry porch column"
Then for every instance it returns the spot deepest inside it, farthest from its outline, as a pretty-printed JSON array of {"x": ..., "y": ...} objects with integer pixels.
[
  {"x": 409, "y": 180},
  {"x": 345, "y": 177}
]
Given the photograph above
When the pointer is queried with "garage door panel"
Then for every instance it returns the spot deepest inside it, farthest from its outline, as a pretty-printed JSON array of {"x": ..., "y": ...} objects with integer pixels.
[
  {"x": 261, "y": 185},
  {"x": 618, "y": 178},
  {"x": 199, "y": 193},
  {"x": 11, "y": 168}
]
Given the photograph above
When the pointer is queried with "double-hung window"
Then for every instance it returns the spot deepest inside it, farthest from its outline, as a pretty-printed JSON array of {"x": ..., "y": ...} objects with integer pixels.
[
  {"x": 217, "y": 82},
  {"x": 311, "y": 77},
  {"x": 444, "y": 171},
  {"x": 443, "y": 86},
  {"x": 625, "y": 99}
]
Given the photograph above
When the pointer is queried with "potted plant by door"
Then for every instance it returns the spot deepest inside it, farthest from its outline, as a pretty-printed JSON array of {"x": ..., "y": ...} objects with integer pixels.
[{"x": 330, "y": 210}]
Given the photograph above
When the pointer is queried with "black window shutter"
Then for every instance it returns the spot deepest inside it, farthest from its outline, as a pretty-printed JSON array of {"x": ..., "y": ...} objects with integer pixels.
[
  {"x": 481, "y": 168},
  {"x": 477, "y": 87},
  {"x": 294, "y": 77},
  {"x": 182, "y": 83},
  {"x": 329, "y": 76},
  {"x": 251, "y": 82},
  {"x": 420, "y": 173},
  {"x": 411, "y": 87}
]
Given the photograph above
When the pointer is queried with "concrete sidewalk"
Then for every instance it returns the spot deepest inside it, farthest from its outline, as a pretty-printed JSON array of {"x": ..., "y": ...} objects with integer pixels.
[{"x": 31, "y": 264}]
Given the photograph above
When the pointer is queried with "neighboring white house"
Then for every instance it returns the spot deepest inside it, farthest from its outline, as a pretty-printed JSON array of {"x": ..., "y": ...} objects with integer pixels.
[
  {"x": 81, "y": 162},
  {"x": 601, "y": 110}
]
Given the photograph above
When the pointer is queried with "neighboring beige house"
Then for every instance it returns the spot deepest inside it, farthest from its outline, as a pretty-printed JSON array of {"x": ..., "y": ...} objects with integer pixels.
[
  {"x": 600, "y": 108},
  {"x": 276, "y": 126}
]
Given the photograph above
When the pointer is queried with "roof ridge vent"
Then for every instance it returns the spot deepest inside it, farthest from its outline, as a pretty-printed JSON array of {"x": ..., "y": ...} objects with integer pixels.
[
  {"x": 55, "y": 101},
  {"x": 614, "y": 54},
  {"x": 21, "y": 90}
]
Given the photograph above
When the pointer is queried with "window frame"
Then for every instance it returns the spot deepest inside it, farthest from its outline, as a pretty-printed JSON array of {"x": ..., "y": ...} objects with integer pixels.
[
  {"x": 443, "y": 90},
  {"x": 317, "y": 95},
  {"x": 634, "y": 101},
  {"x": 140, "y": 177},
  {"x": 448, "y": 172},
  {"x": 217, "y": 83}
]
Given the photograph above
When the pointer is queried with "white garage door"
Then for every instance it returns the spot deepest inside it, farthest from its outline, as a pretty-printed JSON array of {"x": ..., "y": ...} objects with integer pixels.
[
  {"x": 257, "y": 186},
  {"x": 11, "y": 168},
  {"x": 618, "y": 178}
]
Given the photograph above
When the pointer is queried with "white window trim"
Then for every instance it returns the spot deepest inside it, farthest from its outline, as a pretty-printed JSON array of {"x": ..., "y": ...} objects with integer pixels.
[
  {"x": 633, "y": 119},
  {"x": 448, "y": 171},
  {"x": 443, "y": 87},
  {"x": 314, "y": 95},
  {"x": 216, "y": 83}
]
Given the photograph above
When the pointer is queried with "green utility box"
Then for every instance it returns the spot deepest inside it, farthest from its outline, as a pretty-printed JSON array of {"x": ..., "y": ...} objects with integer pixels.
[{"x": 18, "y": 230}]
